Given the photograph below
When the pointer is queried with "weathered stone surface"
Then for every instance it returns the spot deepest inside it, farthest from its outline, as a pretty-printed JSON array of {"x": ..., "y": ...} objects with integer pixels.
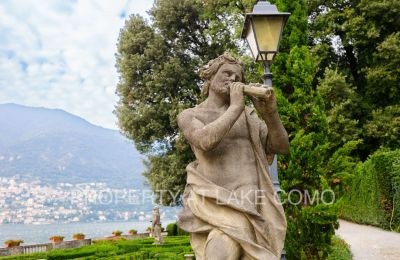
[
  {"x": 230, "y": 206},
  {"x": 156, "y": 226}
]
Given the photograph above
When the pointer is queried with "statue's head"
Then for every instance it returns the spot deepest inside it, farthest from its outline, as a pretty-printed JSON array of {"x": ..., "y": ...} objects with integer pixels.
[{"x": 212, "y": 68}]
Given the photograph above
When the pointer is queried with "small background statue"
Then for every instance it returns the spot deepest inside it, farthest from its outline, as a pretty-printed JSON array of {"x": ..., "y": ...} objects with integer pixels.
[{"x": 156, "y": 226}]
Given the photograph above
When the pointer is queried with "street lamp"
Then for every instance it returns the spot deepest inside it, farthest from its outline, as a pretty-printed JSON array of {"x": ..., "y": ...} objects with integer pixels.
[{"x": 262, "y": 30}]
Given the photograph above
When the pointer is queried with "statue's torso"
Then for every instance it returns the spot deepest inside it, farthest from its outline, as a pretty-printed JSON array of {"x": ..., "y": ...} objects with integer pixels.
[{"x": 231, "y": 164}]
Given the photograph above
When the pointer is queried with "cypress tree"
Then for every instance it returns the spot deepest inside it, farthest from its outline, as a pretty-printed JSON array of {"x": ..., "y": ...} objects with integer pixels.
[{"x": 302, "y": 174}]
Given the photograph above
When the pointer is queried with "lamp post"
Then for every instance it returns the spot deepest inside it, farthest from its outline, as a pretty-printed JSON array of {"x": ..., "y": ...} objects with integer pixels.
[{"x": 262, "y": 30}]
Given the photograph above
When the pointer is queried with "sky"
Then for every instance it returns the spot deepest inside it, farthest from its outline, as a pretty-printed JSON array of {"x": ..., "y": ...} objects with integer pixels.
[{"x": 61, "y": 54}]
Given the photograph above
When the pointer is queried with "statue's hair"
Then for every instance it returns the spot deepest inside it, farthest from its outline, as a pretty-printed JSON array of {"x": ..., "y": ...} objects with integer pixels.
[{"x": 208, "y": 71}]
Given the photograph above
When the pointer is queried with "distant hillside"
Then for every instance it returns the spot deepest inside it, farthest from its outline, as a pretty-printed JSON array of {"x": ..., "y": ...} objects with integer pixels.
[{"x": 55, "y": 146}]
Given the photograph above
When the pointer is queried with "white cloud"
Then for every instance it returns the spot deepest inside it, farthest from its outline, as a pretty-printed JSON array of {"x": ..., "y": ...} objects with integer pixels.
[{"x": 60, "y": 54}]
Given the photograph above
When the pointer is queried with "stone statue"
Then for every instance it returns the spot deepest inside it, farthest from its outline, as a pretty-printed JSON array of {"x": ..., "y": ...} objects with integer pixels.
[
  {"x": 156, "y": 226},
  {"x": 230, "y": 207}
]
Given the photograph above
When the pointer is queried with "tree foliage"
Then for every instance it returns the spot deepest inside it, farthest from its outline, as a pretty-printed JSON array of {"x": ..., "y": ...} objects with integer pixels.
[
  {"x": 158, "y": 63},
  {"x": 342, "y": 109},
  {"x": 359, "y": 40}
]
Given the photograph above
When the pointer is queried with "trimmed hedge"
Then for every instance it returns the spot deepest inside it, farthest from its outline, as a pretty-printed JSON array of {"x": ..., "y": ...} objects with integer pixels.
[
  {"x": 173, "y": 248},
  {"x": 374, "y": 197},
  {"x": 174, "y": 230}
]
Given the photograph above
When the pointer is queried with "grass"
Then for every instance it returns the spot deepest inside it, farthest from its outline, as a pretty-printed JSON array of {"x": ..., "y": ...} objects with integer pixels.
[{"x": 174, "y": 248}]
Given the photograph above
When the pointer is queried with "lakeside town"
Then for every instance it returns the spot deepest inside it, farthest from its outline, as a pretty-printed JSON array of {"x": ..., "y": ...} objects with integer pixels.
[{"x": 33, "y": 202}]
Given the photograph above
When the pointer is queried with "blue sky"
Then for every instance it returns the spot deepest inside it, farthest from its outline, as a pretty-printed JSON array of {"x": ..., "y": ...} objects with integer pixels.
[{"x": 60, "y": 54}]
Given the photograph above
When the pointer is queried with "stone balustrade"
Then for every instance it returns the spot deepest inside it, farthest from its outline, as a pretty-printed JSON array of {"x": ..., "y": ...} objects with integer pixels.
[{"x": 38, "y": 248}]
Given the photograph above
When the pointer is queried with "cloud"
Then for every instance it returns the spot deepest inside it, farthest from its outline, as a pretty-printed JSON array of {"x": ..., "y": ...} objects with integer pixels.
[{"x": 60, "y": 54}]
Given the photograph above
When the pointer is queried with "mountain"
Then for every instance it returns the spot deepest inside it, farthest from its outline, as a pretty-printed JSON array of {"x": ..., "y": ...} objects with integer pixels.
[{"x": 55, "y": 146}]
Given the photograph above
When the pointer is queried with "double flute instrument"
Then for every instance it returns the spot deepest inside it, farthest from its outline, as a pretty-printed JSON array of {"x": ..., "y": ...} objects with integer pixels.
[{"x": 257, "y": 91}]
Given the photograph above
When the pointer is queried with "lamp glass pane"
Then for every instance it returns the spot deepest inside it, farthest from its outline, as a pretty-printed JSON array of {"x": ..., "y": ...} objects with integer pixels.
[
  {"x": 268, "y": 32},
  {"x": 266, "y": 56},
  {"x": 251, "y": 40}
]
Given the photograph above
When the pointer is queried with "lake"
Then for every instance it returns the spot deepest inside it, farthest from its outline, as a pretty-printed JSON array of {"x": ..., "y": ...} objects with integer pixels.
[{"x": 36, "y": 234}]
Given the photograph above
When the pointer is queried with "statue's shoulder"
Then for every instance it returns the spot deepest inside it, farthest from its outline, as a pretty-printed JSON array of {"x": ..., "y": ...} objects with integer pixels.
[
  {"x": 193, "y": 111},
  {"x": 186, "y": 116},
  {"x": 189, "y": 112},
  {"x": 199, "y": 112}
]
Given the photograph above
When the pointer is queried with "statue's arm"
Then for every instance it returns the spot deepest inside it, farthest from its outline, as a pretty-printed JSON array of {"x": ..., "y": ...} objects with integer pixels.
[
  {"x": 207, "y": 137},
  {"x": 277, "y": 139}
]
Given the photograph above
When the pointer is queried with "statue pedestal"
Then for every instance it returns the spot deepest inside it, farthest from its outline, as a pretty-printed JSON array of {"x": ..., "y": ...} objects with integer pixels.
[{"x": 189, "y": 257}]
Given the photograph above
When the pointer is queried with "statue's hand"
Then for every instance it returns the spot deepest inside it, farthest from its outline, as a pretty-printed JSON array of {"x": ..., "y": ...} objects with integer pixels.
[
  {"x": 266, "y": 105},
  {"x": 236, "y": 95}
]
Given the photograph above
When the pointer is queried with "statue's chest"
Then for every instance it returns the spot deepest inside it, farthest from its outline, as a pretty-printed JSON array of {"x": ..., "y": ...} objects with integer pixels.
[{"x": 238, "y": 130}]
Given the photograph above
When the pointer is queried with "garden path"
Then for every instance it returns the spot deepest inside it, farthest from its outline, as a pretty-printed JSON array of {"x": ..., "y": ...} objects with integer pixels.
[{"x": 367, "y": 242}]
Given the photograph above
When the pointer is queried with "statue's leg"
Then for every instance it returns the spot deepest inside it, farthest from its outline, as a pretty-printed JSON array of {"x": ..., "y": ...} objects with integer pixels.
[
  {"x": 221, "y": 247},
  {"x": 198, "y": 242}
]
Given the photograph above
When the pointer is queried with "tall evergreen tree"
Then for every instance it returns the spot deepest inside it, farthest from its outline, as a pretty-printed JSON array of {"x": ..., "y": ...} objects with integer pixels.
[{"x": 310, "y": 224}]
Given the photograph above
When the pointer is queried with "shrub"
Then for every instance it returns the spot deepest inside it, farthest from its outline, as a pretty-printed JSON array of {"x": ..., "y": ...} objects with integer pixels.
[
  {"x": 340, "y": 250},
  {"x": 117, "y": 233},
  {"x": 132, "y": 232},
  {"x": 56, "y": 239},
  {"x": 11, "y": 243},
  {"x": 78, "y": 236},
  {"x": 172, "y": 229},
  {"x": 374, "y": 197},
  {"x": 181, "y": 232}
]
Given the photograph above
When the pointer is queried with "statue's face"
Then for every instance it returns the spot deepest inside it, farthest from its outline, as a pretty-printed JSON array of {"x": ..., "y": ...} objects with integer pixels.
[{"x": 226, "y": 74}]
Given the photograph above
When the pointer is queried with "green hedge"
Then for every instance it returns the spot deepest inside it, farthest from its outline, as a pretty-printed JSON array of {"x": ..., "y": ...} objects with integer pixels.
[
  {"x": 173, "y": 248},
  {"x": 174, "y": 230},
  {"x": 374, "y": 197}
]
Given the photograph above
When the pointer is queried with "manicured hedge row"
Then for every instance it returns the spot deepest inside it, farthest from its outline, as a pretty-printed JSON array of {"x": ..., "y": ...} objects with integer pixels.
[
  {"x": 173, "y": 248},
  {"x": 374, "y": 197}
]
